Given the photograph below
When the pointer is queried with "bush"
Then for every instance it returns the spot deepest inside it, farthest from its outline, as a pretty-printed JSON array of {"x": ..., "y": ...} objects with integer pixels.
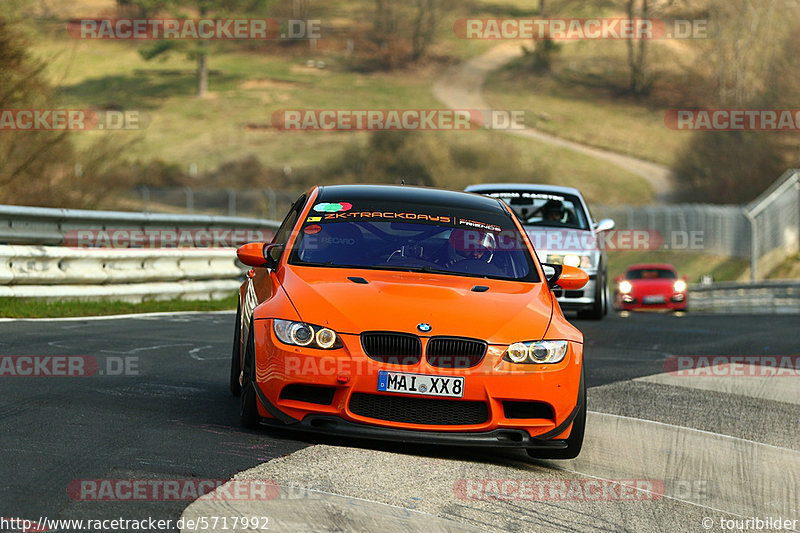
[
  {"x": 727, "y": 167},
  {"x": 423, "y": 158}
]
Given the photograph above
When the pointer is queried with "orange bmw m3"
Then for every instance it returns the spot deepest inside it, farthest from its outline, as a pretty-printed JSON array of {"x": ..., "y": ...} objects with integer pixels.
[{"x": 408, "y": 314}]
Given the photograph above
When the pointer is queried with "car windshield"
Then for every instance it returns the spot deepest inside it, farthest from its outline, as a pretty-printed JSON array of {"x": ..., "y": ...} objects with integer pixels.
[
  {"x": 651, "y": 273},
  {"x": 422, "y": 238},
  {"x": 542, "y": 208}
]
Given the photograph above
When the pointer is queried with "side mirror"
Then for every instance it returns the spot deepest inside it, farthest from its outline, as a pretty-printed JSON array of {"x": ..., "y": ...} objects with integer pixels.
[
  {"x": 604, "y": 225},
  {"x": 552, "y": 273},
  {"x": 567, "y": 277},
  {"x": 260, "y": 254},
  {"x": 572, "y": 278}
]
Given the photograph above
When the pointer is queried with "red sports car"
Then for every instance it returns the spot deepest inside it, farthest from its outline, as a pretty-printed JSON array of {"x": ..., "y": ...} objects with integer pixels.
[{"x": 651, "y": 286}]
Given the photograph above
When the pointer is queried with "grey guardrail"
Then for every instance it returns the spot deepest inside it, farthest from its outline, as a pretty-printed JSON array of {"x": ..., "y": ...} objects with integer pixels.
[
  {"x": 42, "y": 256},
  {"x": 43, "y": 225},
  {"x": 766, "y": 297}
]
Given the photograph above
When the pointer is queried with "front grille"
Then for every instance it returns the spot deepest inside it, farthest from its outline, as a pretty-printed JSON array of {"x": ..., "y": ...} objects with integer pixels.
[
  {"x": 455, "y": 352},
  {"x": 419, "y": 410},
  {"x": 516, "y": 409},
  {"x": 393, "y": 348},
  {"x": 308, "y": 393}
]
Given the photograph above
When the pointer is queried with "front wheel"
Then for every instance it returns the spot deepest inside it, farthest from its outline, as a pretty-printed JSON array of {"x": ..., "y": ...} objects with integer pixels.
[
  {"x": 248, "y": 407},
  {"x": 575, "y": 439},
  {"x": 236, "y": 355}
]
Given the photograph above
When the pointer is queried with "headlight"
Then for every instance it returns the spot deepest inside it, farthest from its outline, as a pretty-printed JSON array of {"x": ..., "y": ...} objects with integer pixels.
[
  {"x": 625, "y": 287},
  {"x": 679, "y": 286},
  {"x": 554, "y": 259},
  {"x": 574, "y": 260},
  {"x": 544, "y": 352},
  {"x": 518, "y": 352},
  {"x": 301, "y": 334},
  {"x": 325, "y": 338}
]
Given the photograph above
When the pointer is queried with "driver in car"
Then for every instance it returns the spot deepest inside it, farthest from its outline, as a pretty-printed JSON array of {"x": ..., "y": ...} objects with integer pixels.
[
  {"x": 466, "y": 244},
  {"x": 553, "y": 211}
]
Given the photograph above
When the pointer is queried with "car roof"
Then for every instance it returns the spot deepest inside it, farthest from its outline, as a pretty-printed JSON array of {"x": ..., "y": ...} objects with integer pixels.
[
  {"x": 407, "y": 194},
  {"x": 483, "y": 187},
  {"x": 646, "y": 266}
]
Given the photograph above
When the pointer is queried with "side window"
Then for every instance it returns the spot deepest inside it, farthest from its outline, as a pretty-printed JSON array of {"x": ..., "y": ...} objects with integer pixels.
[{"x": 288, "y": 223}]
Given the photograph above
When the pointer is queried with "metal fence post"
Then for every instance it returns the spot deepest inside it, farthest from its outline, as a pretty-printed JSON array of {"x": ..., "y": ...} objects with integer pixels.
[
  {"x": 145, "y": 191},
  {"x": 232, "y": 202},
  {"x": 189, "y": 199},
  {"x": 273, "y": 202},
  {"x": 753, "y": 245}
]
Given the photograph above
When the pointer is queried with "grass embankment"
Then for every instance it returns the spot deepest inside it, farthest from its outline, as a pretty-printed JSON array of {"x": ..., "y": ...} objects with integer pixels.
[
  {"x": 35, "y": 308},
  {"x": 693, "y": 265},
  {"x": 583, "y": 100},
  {"x": 247, "y": 85}
]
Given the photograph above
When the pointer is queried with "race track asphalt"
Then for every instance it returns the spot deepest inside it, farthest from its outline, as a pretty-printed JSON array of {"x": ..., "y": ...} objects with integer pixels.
[{"x": 172, "y": 416}]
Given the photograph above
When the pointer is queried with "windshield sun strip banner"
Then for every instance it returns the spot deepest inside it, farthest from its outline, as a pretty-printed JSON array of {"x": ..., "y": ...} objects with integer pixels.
[{"x": 398, "y": 216}]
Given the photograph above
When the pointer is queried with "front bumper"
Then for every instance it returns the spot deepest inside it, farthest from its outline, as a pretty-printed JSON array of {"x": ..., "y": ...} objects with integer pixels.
[
  {"x": 348, "y": 371},
  {"x": 675, "y": 302}
]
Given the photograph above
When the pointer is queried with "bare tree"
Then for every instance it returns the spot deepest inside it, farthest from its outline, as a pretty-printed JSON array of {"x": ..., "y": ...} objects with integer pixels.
[
  {"x": 384, "y": 23},
  {"x": 424, "y": 28},
  {"x": 198, "y": 50},
  {"x": 747, "y": 36},
  {"x": 637, "y": 50},
  {"x": 545, "y": 48}
]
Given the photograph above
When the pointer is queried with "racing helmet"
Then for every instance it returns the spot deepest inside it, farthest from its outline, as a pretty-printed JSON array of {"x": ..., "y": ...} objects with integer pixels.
[{"x": 473, "y": 244}]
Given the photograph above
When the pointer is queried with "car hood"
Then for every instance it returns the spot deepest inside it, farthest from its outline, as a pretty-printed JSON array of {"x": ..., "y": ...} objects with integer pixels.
[
  {"x": 561, "y": 240},
  {"x": 399, "y": 301}
]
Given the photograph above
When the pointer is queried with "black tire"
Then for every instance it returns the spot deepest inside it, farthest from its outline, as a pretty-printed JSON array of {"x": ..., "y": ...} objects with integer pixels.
[
  {"x": 575, "y": 439},
  {"x": 248, "y": 407},
  {"x": 600, "y": 306},
  {"x": 236, "y": 360}
]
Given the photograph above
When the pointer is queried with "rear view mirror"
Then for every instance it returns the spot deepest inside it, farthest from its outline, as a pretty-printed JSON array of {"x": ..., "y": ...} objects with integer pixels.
[
  {"x": 572, "y": 278},
  {"x": 567, "y": 277},
  {"x": 260, "y": 254},
  {"x": 604, "y": 225}
]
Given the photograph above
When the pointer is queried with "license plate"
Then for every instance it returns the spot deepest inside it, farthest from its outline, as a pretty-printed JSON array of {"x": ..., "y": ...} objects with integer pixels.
[
  {"x": 654, "y": 299},
  {"x": 449, "y": 386}
]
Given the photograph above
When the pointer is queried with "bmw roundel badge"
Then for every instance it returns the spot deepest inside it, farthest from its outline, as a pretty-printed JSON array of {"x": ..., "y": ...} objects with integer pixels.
[{"x": 424, "y": 328}]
